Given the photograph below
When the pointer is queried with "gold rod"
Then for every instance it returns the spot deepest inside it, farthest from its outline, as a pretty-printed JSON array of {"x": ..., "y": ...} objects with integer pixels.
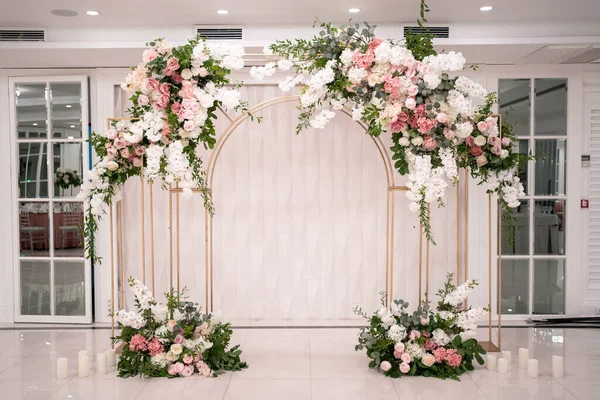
[
  {"x": 458, "y": 243},
  {"x": 143, "y": 233},
  {"x": 212, "y": 278},
  {"x": 170, "y": 239},
  {"x": 206, "y": 247},
  {"x": 466, "y": 231},
  {"x": 490, "y": 264},
  {"x": 120, "y": 238},
  {"x": 177, "y": 239},
  {"x": 392, "y": 248},
  {"x": 427, "y": 262},
  {"x": 112, "y": 277},
  {"x": 499, "y": 300},
  {"x": 420, "y": 260},
  {"x": 152, "y": 236},
  {"x": 389, "y": 293},
  {"x": 399, "y": 188},
  {"x": 225, "y": 114}
]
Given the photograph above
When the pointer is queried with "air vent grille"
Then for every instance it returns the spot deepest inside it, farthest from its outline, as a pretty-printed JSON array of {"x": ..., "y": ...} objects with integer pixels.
[
  {"x": 22, "y": 35},
  {"x": 220, "y": 33},
  {"x": 436, "y": 31}
]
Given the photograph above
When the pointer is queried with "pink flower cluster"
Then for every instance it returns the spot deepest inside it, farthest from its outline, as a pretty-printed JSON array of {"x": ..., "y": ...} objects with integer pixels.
[
  {"x": 180, "y": 368},
  {"x": 138, "y": 343},
  {"x": 155, "y": 347},
  {"x": 121, "y": 149},
  {"x": 449, "y": 355}
]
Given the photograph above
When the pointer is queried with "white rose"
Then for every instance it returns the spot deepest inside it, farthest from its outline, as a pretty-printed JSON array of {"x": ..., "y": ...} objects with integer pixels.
[
  {"x": 176, "y": 349},
  {"x": 410, "y": 103},
  {"x": 195, "y": 71},
  {"x": 172, "y": 357},
  {"x": 417, "y": 141},
  {"x": 187, "y": 74},
  {"x": 504, "y": 154},
  {"x": 112, "y": 165},
  {"x": 403, "y": 141},
  {"x": 480, "y": 141}
]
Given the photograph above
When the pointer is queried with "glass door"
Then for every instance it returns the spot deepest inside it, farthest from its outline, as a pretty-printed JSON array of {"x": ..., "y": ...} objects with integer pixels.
[
  {"x": 50, "y": 123},
  {"x": 533, "y": 267}
]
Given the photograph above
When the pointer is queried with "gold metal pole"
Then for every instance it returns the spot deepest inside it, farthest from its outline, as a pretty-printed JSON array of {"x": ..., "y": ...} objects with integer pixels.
[
  {"x": 490, "y": 265},
  {"x": 212, "y": 277},
  {"x": 170, "y": 239},
  {"x": 427, "y": 262},
  {"x": 152, "y": 236},
  {"x": 206, "y": 247},
  {"x": 120, "y": 239},
  {"x": 499, "y": 300},
  {"x": 458, "y": 242},
  {"x": 112, "y": 277},
  {"x": 177, "y": 238},
  {"x": 388, "y": 290},
  {"x": 466, "y": 254},
  {"x": 420, "y": 260},
  {"x": 392, "y": 248},
  {"x": 143, "y": 233}
]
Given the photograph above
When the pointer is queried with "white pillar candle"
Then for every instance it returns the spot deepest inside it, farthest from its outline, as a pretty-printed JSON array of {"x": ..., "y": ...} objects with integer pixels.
[
  {"x": 101, "y": 364},
  {"x": 111, "y": 358},
  {"x": 84, "y": 366},
  {"x": 62, "y": 368},
  {"x": 523, "y": 357},
  {"x": 558, "y": 367},
  {"x": 508, "y": 356},
  {"x": 532, "y": 368},
  {"x": 81, "y": 354},
  {"x": 490, "y": 363},
  {"x": 503, "y": 366}
]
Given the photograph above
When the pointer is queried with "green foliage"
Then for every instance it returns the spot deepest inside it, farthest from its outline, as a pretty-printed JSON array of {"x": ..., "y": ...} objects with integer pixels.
[{"x": 420, "y": 44}]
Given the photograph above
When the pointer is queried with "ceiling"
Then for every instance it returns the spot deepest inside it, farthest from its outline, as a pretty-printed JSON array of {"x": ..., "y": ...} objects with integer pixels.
[{"x": 36, "y": 13}]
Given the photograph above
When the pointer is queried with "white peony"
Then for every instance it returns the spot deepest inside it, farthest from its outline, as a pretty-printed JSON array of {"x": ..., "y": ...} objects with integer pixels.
[
  {"x": 397, "y": 332},
  {"x": 187, "y": 74},
  {"x": 356, "y": 75},
  {"x": 480, "y": 140}
]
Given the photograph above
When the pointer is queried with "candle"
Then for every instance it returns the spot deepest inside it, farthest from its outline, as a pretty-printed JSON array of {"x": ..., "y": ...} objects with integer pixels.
[
  {"x": 523, "y": 357},
  {"x": 101, "y": 364},
  {"x": 84, "y": 366},
  {"x": 111, "y": 358},
  {"x": 503, "y": 366},
  {"x": 532, "y": 368},
  {"x": 508, "y": 356},
  {"x": 62, "y": 368},
  {"x": 558, "y": 367},
  {"x": 490, "y": 362}
]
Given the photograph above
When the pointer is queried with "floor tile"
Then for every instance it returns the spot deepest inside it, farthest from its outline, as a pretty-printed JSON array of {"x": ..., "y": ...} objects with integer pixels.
[
  {"x": 30, "y": 389},
  {"x": 543, "y": 388},
  {"x": 268, "y": 389},
  {"x": 342, "y": 366},
  {"x": 277, "y": 341},
  {"x": 267, "y": 366},
  {"x": 575, "y": 367},
  {"x": 194, "y": 387},
  {"x": 92, "y": 388},
  {"x": 353, "y": 389},
  {"x": 429, "y": 388},
  {"x": 583, "y": 389}
]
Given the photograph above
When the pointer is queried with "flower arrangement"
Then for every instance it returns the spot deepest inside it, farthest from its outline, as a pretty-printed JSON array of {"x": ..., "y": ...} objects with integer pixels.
[
  {"x": 407, "y": 92},
  {"x": 174, "y": 339},
  {"x": 176, "y": 92},
  {"x": 439, "y": 344},
  {"x": 66, "y": 178}
]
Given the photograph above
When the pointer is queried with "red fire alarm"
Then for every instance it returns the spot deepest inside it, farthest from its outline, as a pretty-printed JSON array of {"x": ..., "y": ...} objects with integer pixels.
[{"x": 585, "y": 204}]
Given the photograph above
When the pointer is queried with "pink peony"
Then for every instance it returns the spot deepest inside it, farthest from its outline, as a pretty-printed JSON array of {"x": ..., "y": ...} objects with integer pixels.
[
  {"x": 476, "y": 151},
  {"x": 403, "y": 116},
  {"x": 442, "y": 118},
  {"x": 453, "y": 358},
  {"x": 410, "y": 103},
  {"x": 385, "y": 366},
  {"x": 398, "y": 354},
  {"x": 421, "y": 111},
  {"x": 152, "y": 84},
  {"x": 111, "y": 133},
  {"x": 172, "y": 370},
  {"x": 491, "y": 121},
  {"x": 140, "y": 151},
  {"x": 138, "y": 343},
  {"x": 449, "y": 133},
  {"x": 399, "y": 347},
  {"x": 363, "y": 60},
  {"x": 482, "y": 126},
  {"x": 439, "y": 354},
  {"x": 187, "y": 371},
  {"x": 398, "y": 126},
  {"x": 155, "y": 347},
  {"x": 482, "y": 160},
  {"x": 143, "y": 100},
  {"x": 173, "y": 64},
  {"x": 125, "y": 153},
  {"x": 413, "y": 90},
  {"x": 505, "y": 141},
  {"x": 164, "y": 89},
  {"x": 137, "y": 162},
  {"x": 429, "y": 144},
  {"x": 406, "y": 358},
  {"x": 179, "y": 339},
  {"x": 149, "y": 55},
  {"x": 428, "y": 360},
  {"x": 392, "y": 84},
  {"x": 162, "y": 102},
  {"x": 470, "y": 141},
  {"x": 430, "y": 345},
  {"x": 176, "y": 108},
  {"x": 404, "y": 368},
  {"x": 177, "y": 78},
  {"x": 375, "y": 43}
]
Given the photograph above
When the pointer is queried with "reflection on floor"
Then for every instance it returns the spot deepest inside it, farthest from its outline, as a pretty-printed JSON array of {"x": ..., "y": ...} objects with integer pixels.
[{"x": 300, "y": 364}]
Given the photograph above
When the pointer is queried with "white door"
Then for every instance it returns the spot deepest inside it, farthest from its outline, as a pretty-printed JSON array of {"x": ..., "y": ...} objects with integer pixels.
[{"x": 50, "y": 157}]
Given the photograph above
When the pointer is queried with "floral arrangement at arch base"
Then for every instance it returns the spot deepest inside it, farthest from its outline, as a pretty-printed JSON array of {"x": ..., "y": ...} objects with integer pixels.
[
  {"x": 176, "y": 92},
  {"x": 66, "y": 178},
  {"x": 406, "y": 91},
  {"x": 174, "y": 339},
  {"x": 438, "y": 344}
]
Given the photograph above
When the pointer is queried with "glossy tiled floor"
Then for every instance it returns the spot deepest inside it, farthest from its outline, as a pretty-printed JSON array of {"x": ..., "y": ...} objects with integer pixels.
[{"x": 297, "y": 364}]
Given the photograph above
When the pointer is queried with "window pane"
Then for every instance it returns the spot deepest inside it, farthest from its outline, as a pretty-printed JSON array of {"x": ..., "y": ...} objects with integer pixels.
[
  {"x": 514, "y": 104},
  {"x": 35, "y": 287},
  {"x": 550, "y": 167},
  {"x": 33, "y": 170},
  {"x": 549, "y": 287},
  {"x": 69, "y": 288},
  {"x": 549, "y": 229},
  {"x": 522, "y": 147},
  {"x": 68, "y": 229},
  {"x": 551, "y": 107},
  {"x": 68, "y": 167},
  {"x": 66, "y": 110},
  {"x": 31, "y": 108},
  {"x": 520, "y": 232},
  {"x": 33, "y": 229},
  {"x": 515, "y": 287}
]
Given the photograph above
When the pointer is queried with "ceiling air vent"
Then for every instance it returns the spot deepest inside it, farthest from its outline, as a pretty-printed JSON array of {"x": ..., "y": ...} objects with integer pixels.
[
  {"x": 437, "y": 31},
  {"x": 22, "y": 35},
  {"x": 220, "y": 33}
]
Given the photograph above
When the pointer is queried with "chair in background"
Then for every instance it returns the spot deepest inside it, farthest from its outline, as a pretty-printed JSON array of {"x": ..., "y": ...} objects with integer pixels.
[
  {"x": 32, "y": 234},
  {"x": 71, "y": 228}
]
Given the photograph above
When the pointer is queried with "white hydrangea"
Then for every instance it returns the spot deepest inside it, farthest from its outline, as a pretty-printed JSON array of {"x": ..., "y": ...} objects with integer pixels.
[
  {"x": 230, "y": 98},
  {"x": 357, "y": 112},
  {"x": 460, "y": 103},
  {"x": 356, "y": 75},
  {"x": 130, "y": 318},
  {"x": 467, "y": 320},
  {"x": 440, "y": 337},
  {"x": 178, "y": 164},
  {"x": 397, "y": 333},
  {"x": 161, "y": 332},
  {"x": 285, "y": 65},
  {"x": 160, "y": 312},
  {"x": 449, "y": 162},
  {"x": 445, "y": 315},
  {"x": 260, "y": 73},
  {"x": 414, "y": 350},
  {"x": 290, "y": 82},
  {"x": 450, "y": 61},
  {"x": 460, "y": 294},
  {"x": 154, "y": 154},
  {"x": 387, "y": 318},
  {"x": 463, "y": 129},
  {"x": 160, "y": 360},
  {"x": 432, "y": 80},
  {"x": 320, "y": 120},
  {"x": 470, "y": 88}
]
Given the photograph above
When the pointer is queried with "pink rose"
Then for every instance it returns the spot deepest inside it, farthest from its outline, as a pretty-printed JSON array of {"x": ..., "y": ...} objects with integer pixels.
[
  {"x": 152, "y": 84},
  {"x": 491, "y": 121},
  {"x": 406, "y": 358},
  {"x": 410, "y": 103},
  {"x": 120, "y": 143},
  {"x": 476, "y": 151},
  {"x": 188, "y": 359},
  {"x": 143, "y": 100},
  {"x": 413, "y": 90},
  {"x": 496, "y": 149},
  {"x": 179, "y": 367},
  {"x": 139, "y": 151},
  {"x": 494, "y": 140},
  {"x": 424, "y": 321},
  {"x": 202, "y": 72},
  {"x": 404, "y": 368},
  {"x": 162, "y": 102},
  {"x": 177, "y": 78},
  {"x": 187, "y": 371},
  {"x": 188, "y": 114},
  {"x": 385, "y": 366},
  {"x": 429, "y": 143},
  {"x": 398, "y": 126},
  {"x": 173, "y": 64},
  {"x": 482, "y": 126},
  {"x": 399, "y": 347},
  {"x": 403, "y": 116},
  {"x": 482, "y": 160},
  {"x": 172, "y": 370},
  {"x": 164, "y": 89},
  {"x": 430, "y": 345},
  {"x": 166, "y": 131},
  {"x": 426, "y": 334},
  {"x": 411, "y": 72},
  {"x": 197, "y": 357},
  {"x": 149, "y": 55},
  {"x": 442, "y": 118},
  {"x": 176, "y": 108},
  {"x": 375, "y": 43},
  {"x": 505, "y": 141},
  {"x": 398, "y": 354},
  {"x": 137, "y": 162},
  {"x": 125, "y": 153},
  {"x": 189, "y": 125},
  {"x": 414, "y": 335},
  {"x": 470, "y": 141},
  {"x": 449, "y": 133},
  {"x": 363, "y": 60},
  {"x": 111, "y": 133},
  {"x": 179, "y": 339},
  {"x": 428, "y": 360},
  {"x": 171, "y": 324},
  {"x": 111, "y": 152}
]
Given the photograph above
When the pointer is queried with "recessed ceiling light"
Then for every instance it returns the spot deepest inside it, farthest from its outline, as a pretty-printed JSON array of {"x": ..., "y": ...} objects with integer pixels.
[
  {"x": 72, "y": 126},
  {"x": 64, "y": 13},
  {"x": 222, "y": 12},
  {"x": 68, "y": 106},
  {"x": 486, "y": 8},
  {"x": 34, "y": 124},
  {"x": 70, "y": 137},
  {"x": 353, "y": 10},
  {"x": 92, "y": 12}
]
